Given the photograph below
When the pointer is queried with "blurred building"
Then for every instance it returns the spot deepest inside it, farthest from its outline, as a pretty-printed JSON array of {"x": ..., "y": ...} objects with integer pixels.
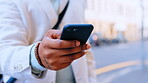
[
  {"x": 112, "y": 18},
  {"x": 145, "y": 4}
]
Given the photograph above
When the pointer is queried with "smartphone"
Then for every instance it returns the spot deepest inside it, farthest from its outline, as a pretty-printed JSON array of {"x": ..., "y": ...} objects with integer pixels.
[{"x": 80, "y": 32}]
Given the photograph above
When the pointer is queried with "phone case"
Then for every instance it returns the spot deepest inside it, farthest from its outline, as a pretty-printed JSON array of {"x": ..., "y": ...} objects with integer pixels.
[{"x": 80, "y": 32}]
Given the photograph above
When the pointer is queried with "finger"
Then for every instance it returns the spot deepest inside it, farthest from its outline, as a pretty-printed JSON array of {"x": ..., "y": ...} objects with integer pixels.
[
  {"x": 78, "y": 55},
  {"x": 58, "y": 44},
  {"x": 64, "y": 52},
  {"x": 53, "y": 34},
  {"x": 70, "y": 58}
]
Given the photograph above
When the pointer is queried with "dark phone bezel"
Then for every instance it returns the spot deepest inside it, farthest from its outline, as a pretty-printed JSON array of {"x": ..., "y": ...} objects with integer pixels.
[{"x": 80, "y": 32}]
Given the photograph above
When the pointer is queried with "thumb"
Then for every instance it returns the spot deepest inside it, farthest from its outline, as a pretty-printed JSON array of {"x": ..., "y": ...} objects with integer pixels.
[{"x": 54, "y": 34}]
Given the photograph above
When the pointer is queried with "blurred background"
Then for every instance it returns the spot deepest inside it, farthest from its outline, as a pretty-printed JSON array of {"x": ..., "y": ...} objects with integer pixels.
[{"x": 120, "y": 39}]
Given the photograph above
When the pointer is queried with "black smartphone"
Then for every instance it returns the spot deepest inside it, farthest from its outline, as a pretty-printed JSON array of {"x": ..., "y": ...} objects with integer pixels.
[{"x": 80, "y": 32}]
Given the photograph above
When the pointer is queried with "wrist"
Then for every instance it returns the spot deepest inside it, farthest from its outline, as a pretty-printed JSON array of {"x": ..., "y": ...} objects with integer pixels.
[{"x": 37, "y": 54}]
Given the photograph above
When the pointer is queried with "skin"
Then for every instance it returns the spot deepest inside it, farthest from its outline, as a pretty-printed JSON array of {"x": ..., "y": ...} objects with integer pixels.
[{"x": 56, "y": 54}]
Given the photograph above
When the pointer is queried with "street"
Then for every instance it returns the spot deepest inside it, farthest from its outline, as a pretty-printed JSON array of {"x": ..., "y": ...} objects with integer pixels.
[{"x": 121, "y": 63}]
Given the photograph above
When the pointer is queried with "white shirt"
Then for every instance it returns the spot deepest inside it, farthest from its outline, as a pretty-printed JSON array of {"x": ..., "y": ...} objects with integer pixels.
[{"x": 56, "y": 4}]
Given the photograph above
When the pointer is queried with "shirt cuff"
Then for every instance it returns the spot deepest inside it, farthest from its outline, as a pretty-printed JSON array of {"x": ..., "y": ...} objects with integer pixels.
[{"x": 34, "y": 63}]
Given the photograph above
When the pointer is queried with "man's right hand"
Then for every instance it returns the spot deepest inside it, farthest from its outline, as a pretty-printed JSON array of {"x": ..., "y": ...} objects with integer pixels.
[{"x": 56, "y": 54}]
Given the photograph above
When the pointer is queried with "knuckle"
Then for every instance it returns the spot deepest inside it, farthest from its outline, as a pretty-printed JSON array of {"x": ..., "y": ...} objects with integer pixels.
[
  {"x": 72, "y": 57},
  {"x": 51, "y": 62},
  {"x": 45, "y": 53},
  {"x": 49, "y": 54},
  {"x": 59, "y": 43},
  {"x": 69, "y": 59},
  {"x": 44, "y": 43}
]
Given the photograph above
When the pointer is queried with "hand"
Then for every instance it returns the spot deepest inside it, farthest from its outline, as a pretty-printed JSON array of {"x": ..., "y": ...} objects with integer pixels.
[{"x": 56, "y": 54}]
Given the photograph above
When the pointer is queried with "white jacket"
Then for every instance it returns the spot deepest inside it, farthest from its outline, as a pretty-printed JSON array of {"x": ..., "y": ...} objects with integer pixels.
[{"x": 24, "y": 22}]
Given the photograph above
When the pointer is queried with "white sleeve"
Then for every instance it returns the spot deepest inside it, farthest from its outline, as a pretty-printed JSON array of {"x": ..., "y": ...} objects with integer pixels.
[
  {"x": 37, "y": 70},
  {"x": 34, "y": 61},
  {"x": 14, "y": 45}
]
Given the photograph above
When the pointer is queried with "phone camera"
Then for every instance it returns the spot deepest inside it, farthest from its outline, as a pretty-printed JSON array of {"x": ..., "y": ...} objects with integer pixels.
[
  {"x": 71, "y": 29},
  {"x": 74, "y": 29}
]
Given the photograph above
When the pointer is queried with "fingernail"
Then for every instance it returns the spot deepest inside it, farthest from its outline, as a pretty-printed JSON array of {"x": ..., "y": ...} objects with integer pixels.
[
  {"x": 85, "y": 52},
  {"x": 88, "y": 46},
  {"x": 77, "y": 43}
]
